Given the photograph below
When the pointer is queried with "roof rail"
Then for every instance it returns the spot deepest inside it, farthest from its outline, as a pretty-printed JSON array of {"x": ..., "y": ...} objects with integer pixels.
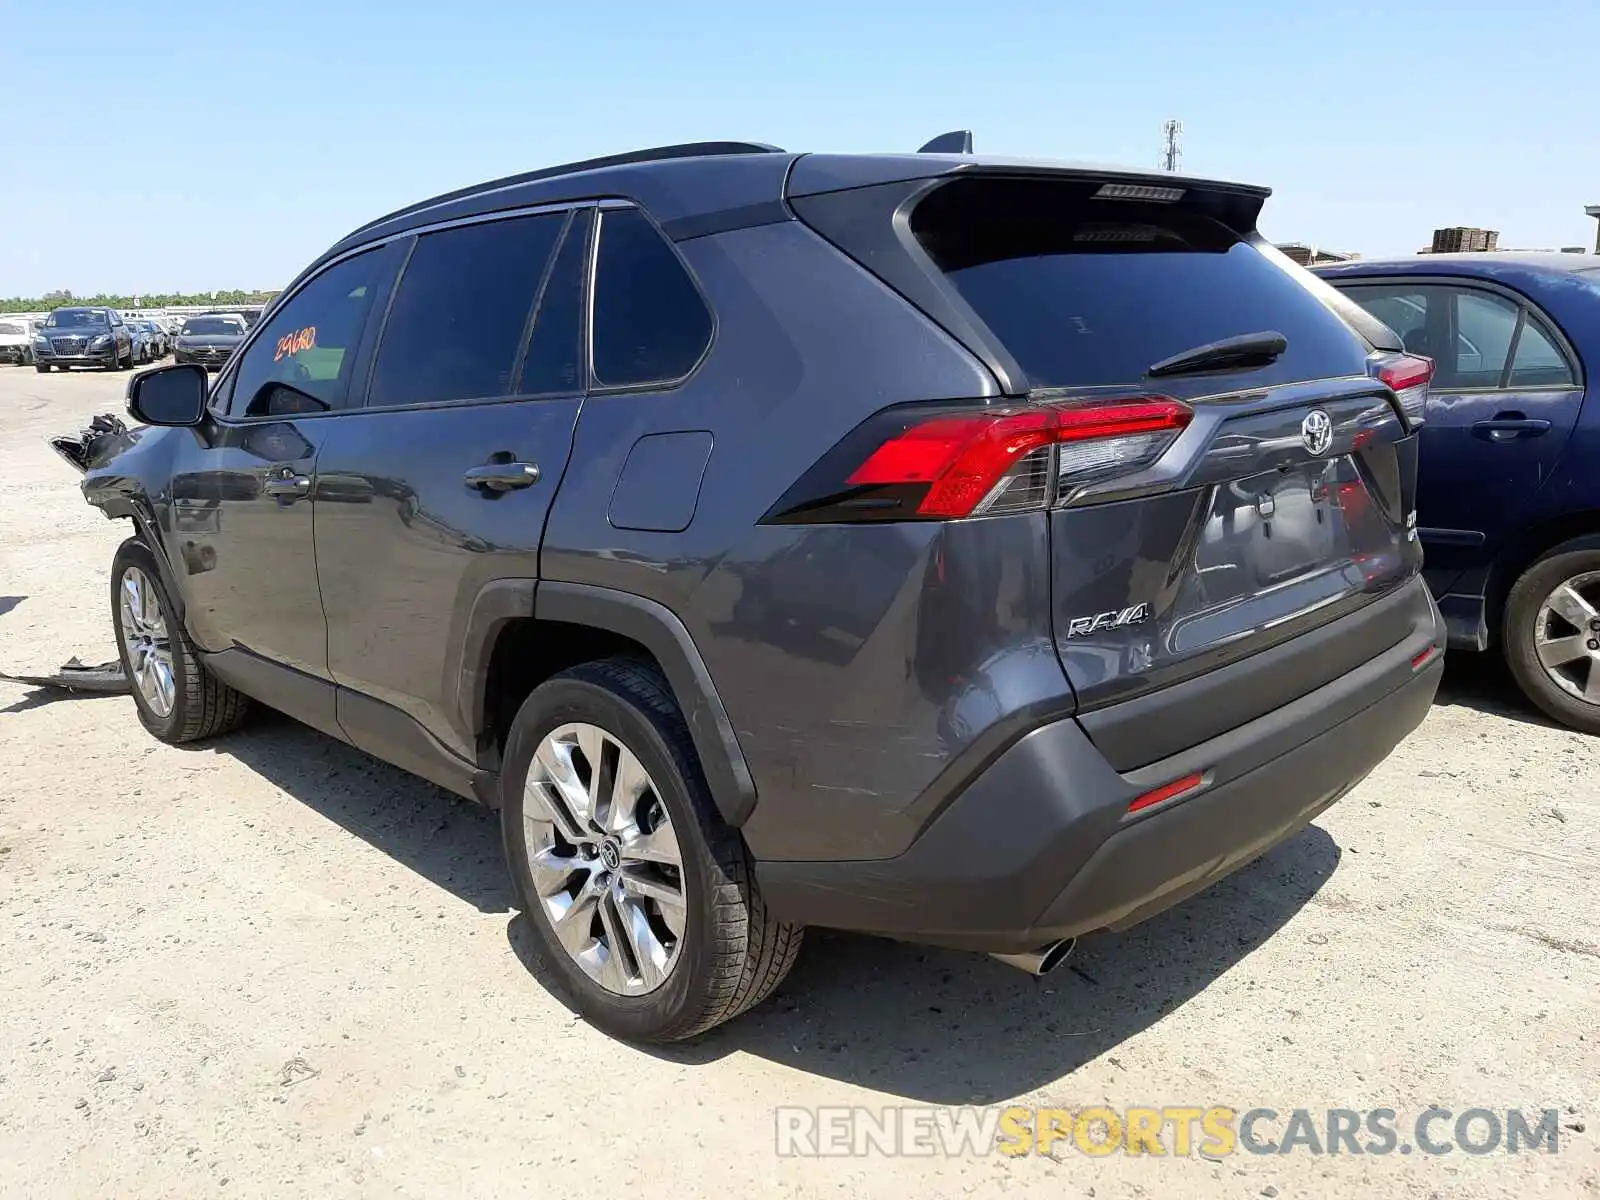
[
  {"x": 653, "y": 154},
  {"x": 957, "y": 141}
]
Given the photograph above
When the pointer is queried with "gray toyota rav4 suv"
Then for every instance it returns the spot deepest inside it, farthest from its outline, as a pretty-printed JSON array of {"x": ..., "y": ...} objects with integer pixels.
[{"x": 970, "y": 551}]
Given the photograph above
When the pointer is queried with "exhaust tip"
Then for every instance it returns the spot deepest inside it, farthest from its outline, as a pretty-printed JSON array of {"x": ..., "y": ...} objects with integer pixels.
[{"x": 1041, "y": 961}]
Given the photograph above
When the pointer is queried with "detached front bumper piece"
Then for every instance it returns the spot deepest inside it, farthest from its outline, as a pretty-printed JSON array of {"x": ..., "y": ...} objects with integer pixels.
[{"x": 1049, "y": 842}]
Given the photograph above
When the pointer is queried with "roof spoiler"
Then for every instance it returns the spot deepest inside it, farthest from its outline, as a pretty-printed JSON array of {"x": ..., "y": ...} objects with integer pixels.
[{"x": 957, "y": 141}]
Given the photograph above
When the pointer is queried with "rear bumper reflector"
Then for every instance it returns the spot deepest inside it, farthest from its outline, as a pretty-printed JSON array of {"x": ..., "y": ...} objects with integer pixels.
[{"x": 1169, "y": 791}]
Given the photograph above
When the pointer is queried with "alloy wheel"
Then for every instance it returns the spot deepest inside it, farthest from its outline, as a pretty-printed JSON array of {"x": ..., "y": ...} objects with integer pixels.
[
  {"x": 144, "y": 633},
  {"x": 1566, "y": 636},
  {"x": 606, "y": 866}
]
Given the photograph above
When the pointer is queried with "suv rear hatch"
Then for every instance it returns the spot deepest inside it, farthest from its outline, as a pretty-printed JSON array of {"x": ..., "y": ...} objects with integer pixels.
[{"x": 1245, "y": 476}]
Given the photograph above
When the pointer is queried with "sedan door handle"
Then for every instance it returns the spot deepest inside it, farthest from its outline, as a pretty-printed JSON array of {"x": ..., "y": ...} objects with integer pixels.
[
  {"x": 502, "y": 477},
  {"x": 1508, "y": 428}
]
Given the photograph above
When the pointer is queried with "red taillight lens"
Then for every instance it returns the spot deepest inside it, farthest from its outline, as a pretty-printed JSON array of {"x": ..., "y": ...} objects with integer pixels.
[
  {"x": 1408, "y": 375},
  {"x": 1005, "y": 460}
]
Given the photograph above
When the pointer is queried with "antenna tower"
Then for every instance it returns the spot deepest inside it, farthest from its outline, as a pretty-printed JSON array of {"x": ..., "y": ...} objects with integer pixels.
[{"x": 1171, "y": 149}]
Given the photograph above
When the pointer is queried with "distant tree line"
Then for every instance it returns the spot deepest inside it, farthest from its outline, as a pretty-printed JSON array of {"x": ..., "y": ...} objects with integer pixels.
[{"x": 56, "y": 299}]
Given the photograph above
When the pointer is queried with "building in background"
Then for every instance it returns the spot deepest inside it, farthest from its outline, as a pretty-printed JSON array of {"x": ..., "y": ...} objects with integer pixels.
[
  {"x": 1462, "y": 237},
  {"x": 1311, "y": 256},
  {"x": 1593, "y": 210}
]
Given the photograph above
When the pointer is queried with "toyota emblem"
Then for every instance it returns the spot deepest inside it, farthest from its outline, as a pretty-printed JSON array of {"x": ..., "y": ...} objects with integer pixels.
[{"x": 1316, "y": 431}]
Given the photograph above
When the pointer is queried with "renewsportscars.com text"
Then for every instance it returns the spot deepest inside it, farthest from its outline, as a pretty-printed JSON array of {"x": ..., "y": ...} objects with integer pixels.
[{"x": 1213, "y": 1131}]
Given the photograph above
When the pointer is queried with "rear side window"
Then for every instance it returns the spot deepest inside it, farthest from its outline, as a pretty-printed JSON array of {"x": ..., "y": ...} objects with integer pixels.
[
  {"x": 554, "y": 362},
  {"x": 1478, "y": 340},
  {"x": 650, "y": 323},
  {"x": 1086, "y": 292},
  {"x": 460, "y": 311}
]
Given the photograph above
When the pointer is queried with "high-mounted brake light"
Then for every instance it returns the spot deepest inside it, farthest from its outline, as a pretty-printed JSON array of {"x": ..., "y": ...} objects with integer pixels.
[
  {"x": 944, "y": 465},
  {"x": 1408, "y": 376},
  {"x": 1139, "y": 191}
]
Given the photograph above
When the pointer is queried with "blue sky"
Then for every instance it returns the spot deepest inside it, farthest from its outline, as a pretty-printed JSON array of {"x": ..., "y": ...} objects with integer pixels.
[{"x": 254, "y": 135}]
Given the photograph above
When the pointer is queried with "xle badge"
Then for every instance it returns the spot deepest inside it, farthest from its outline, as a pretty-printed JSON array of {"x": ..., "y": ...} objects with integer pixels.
[{"x": 1117, "y": 618}]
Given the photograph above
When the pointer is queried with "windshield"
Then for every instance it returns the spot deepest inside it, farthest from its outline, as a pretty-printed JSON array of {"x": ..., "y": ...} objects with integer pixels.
[
  {"x": 223, "y": 325},
  {"x": 78, "y": 318}
]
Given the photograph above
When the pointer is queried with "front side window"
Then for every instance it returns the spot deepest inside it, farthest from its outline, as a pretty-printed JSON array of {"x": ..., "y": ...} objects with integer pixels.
[
  {"x": 650, "y": 323},
  {"x": 301, "y": 360},
  {"x": 460, "y": 311}
]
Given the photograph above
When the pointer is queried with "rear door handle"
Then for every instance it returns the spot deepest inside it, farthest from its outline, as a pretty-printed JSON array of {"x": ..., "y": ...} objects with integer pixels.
[
  {"x": 1507, "y": 429},
  {"x": 502, "y": 477},
  {"x": 287, "y": 484}
]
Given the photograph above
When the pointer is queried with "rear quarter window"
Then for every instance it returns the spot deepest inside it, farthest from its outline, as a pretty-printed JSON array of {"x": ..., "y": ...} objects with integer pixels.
[{"x": 1088, "y": 292}]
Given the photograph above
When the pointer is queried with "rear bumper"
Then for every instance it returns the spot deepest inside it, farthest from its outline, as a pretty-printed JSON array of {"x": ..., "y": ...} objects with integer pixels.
[{"x": 1040, "y": 844}]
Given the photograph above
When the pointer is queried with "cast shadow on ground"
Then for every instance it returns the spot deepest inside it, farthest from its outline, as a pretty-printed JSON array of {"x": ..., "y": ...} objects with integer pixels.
[
  {"x": 944, "y": 1027},
  {"x": 40, "y": 696},
  {"x": 453, "y": 843},
  {"x": 7, "y": 603},
  {"x": 1483, "y": 682},
  {"x": 930, "y": 1025}
]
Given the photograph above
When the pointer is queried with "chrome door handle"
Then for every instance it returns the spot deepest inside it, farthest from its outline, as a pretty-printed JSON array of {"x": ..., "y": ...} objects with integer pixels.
[
  {"x": 1506, "y": 429},
  {"x": 287, "y": 485},
  {"x": 502, "y": 477}
]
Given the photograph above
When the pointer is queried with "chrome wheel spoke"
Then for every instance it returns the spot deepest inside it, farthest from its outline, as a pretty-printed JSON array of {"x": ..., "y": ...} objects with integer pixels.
[
  {"x": 657, "y": 846},
  {"x": 573, "y": 916},
  {"x": 629, "y": 785},
  {"x": 165, "y": 685},
  {"x": 1591, "y": 687},
  {"x": 1559, "y": 651},
  {"x": 552, "y": 872},
  {"x": 555, "y": 786},
  {"x": 649, "y": 955},
  {"x": 647, "y": 887},
  {"x": 1567, "y": 603},
  {"x": 617, "y": 972}
]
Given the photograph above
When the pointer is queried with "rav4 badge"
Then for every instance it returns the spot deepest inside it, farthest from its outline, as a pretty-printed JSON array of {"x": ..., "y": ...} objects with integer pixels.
[{"x": 1117, "y": 618}]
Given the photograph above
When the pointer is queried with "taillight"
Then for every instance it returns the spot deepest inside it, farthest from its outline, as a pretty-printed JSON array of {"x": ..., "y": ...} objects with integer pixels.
[
  {"x": 939, "y": 463},
  {"x": 1408, "y": 376}
]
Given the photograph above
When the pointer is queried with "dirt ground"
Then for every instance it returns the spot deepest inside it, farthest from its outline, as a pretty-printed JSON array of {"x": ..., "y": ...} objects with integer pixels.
[{"x": 272, "y": 966}]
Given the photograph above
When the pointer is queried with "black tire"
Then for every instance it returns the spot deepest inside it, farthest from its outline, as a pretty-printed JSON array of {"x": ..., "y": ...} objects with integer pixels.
[
  {"x": 42, "y": 368},
  {"x": 1517, "y": 633},
  {"x": 734, "y": 952},
  {"x": 203, "y": 705}
]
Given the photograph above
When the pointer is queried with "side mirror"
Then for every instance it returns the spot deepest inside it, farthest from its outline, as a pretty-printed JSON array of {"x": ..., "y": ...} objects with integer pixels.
[{"x": 170, "y": 395}]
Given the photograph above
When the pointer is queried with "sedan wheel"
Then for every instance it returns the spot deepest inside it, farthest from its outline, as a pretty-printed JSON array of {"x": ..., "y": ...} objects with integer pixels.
[
  {"x": 1551, "y": 633},
  {"x": 1566, "y": 636},
  {"x": 606, "y": 865}
]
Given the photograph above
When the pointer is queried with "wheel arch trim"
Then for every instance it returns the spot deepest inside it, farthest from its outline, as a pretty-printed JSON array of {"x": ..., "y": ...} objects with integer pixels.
[{"x": 648, "y": 622}]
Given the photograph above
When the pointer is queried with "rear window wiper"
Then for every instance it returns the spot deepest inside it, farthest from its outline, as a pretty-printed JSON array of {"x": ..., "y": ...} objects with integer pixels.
[{"x": 1245, "y": 350}]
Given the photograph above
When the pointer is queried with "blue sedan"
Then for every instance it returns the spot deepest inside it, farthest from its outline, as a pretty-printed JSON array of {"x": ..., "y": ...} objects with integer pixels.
[{"x": 1508, "y": 503}]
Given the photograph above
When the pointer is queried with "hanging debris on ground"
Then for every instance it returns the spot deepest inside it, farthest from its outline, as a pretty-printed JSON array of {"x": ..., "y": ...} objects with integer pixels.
[{"x": 74, "y": 676}]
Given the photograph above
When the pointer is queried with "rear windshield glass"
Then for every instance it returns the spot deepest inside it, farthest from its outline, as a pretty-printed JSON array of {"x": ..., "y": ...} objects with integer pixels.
[
  {"x": 1085, "y": 292},
  {"x": 215, "y": 325}
]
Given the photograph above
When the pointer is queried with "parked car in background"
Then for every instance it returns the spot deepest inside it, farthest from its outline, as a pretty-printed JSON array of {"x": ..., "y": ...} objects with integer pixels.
[
  {"x": 160, "y": 340},
  {"x": 790, "y": 565},
  {"x": 1508, "y": 506},
  {"x": 208, "y": 340},
  {"x": 83, "y": 337},
  {"x": 16, "y": 339},
  {"x": 144, "y": 341}
]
